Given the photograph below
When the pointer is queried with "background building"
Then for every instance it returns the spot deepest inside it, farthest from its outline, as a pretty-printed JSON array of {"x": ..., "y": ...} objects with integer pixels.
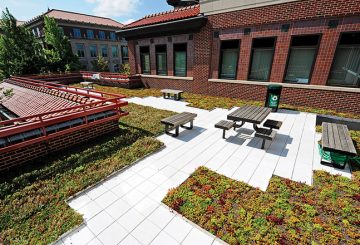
[
  {"x": 90, "y": 36},
  {"x": 236, "y": 48}
]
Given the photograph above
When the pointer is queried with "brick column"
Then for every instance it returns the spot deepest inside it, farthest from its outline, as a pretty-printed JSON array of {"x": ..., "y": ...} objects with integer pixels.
[
  {"x": 325, "y": 57},
  {"x": 132, "y": 57},
  {"x": 215, "y": 58},
  {"x": 245, "y": 54},
  {"x": 280, "y": 58},
  {"x": 152, "y": 59}
]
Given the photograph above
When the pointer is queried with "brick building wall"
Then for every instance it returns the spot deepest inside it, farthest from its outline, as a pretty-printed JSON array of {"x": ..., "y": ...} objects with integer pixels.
[
  {"x": 30, "y": 153},
  {"x": 305, "y": 17}
]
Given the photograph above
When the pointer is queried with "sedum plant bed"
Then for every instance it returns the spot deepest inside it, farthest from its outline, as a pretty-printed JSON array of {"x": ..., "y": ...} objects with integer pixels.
[
  {"x": 207, "y": 102},
  {"x": 32, "y": 202},
  {"x": 287, "y": 213}
]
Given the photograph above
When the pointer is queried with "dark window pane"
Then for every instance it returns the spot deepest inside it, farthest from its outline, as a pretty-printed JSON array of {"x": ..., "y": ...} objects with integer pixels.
[
  {"x": 101, "y": 35},
  {"x": 161, "y": 60},
  {"x": 104, "y": 51},
  {"x": 229, "y": 58},
  {"x": 180, "y": 56},
  {"x": 114, "y": 51},
  {"x": 301, "y": 59},
  {"x": 346, "y": 68},
  {"x": 261, "y": 60},
  {"x": 80, "y": 48},
  {"x": 93, "y": 51},
  {"x": 145, "y": 60},
  {"x": 90, "y": 34}
]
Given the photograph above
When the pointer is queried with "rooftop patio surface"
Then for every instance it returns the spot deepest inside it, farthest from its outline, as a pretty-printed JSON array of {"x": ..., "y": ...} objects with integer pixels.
[{"x": 126, "y": 208}]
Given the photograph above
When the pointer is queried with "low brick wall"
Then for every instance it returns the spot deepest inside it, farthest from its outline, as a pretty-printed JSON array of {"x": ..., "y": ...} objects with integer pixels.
[
  {"x": 162, "y": 83},
  {"x": 29, "y": 154},
  {"x": 131, "y": 83}
]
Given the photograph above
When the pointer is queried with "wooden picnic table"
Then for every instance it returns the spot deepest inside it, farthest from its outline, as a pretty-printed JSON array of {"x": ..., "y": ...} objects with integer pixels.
[
  {"x": 336, "y": 138},
  {"x": 250, "y": 114}
]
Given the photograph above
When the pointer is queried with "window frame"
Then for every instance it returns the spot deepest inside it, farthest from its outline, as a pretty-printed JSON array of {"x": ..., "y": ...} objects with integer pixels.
[
  {"x": 76, "y": 32},
  {"x": 77, "y": 50},
  {"x": 117, "y": 51},
  {"x": 102, "y": 38},
  {"x": 124, "y": 58},
  {"x": 90, "y": 31},
  {"x": 333, "y": 62},
  {"x": 315, "y": 58},
  {"x": 221, "y": 57},
  {"x": 156, "y": 60},
  {"x": 252, "y": 56},
  {"x": 186, "y": 57},
  {"x": 96, "y": 51},
  {"x": 107, "y": 50},
  {"x": 141, "y": 60}
]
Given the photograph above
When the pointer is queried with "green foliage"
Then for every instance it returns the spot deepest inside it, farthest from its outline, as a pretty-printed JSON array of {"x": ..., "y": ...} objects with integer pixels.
[
  {"x": 32, "y": 202},
  {"x": 288, "y": 213},
  {"x": 125, "y": 69},
  {"x": 101, "y": 64},
  {"x": 20, "y": 52},
  {"x": 58, "y": 50}
]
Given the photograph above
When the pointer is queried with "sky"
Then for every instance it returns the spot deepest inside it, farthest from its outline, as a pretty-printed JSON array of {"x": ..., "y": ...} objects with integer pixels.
[{"x": 124, "y": 11}]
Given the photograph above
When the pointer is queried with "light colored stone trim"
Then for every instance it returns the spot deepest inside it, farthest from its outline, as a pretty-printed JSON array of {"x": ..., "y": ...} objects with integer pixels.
[
  {"x": 168, "y": 77},
  {"x": 289, "y": 85}
]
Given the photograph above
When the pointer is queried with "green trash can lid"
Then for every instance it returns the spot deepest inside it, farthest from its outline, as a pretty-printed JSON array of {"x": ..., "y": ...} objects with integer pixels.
[{"x": 274, "y": 86}]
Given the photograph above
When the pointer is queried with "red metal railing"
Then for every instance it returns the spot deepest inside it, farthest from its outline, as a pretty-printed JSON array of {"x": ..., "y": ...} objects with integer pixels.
[{"x": 103, "y": 102}]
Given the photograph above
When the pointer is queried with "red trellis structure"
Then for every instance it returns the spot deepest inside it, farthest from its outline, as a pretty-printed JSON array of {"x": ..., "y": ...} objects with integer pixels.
[{"x": 94, "y": 108}]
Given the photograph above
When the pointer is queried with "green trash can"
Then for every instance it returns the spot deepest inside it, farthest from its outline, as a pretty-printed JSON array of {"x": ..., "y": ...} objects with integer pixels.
[{"x": 273, "y": 97}]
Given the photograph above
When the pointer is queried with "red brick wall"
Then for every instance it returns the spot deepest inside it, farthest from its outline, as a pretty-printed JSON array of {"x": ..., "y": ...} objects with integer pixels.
[
  {"x": 32, "y": 152},
  {"x": 305, "y": 17},
  {"x": 150, "y": 82}
]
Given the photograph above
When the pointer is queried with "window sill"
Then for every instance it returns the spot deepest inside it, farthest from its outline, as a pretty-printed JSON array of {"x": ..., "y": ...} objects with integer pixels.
[
  {"x": 168, "y": 77},
  {"x": 288, "y": 85}
]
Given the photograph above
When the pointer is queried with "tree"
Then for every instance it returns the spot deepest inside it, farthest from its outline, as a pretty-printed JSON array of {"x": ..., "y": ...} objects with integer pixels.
[
  {"x": 20, "y": 52},
  {"x": 100, "y": 64},
  {"x": 58, "y": 52}
]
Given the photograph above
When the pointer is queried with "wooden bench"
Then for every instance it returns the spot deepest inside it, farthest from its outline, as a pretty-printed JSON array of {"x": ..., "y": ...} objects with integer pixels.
[
  {"x": 336, "y": 138},
  {"x": 272, "y": 124},
  {"x": 265, "y": 134},
  {"x": 168, "y": 92},
  {"x": 225, "y": 125},
  {"x": 176, "y": 121}
]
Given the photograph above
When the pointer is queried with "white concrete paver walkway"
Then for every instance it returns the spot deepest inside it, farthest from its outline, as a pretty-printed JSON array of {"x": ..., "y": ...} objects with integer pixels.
[{"x": 127, "y": 209}]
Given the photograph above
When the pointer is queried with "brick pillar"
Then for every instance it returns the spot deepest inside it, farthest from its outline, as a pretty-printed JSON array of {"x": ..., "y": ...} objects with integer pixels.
[
  {"x": 245, "y": 54},
  {"x": 152, "y": 59},
  {"x": 170, "y": 58},
  {"x": 202, "y": 58},
  {"x": 215, "y": 58},
  {"x": 132, "y": 57},
  {"x": 325, "y": 57},
  {"x": 280, "y": 58}
]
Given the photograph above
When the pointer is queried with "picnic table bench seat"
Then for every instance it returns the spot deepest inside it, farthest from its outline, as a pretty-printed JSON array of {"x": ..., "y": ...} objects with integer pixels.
[
  {"x": 168, "y": 92},
  {"x": 265, "y": 134},
  {"x": 272, "y": 124},
  {"x": 179, "y": 120},
  {"x": 336, "y": 139},
  {"x": 225, "y": 125}
]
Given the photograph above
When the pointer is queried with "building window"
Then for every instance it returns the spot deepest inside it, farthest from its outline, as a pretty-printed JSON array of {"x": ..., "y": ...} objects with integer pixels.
[
  {"x": 90, "y": 34},
  {"x": 345, "y": 70},
  {"x": 104, "y": 51},
  {"x": 116, "y": 68},
  {"x": 34, "y": 32},
  {"x": 80, "y": 50},
  {"x": 38, "y": 31},
  {"x": 145, "y": 60},
  {"x": 93, "y": 51},
  {"x": 229, "y": 56},
  {"x": 262, "y": 54},
  {"x": 125, "y": 54},
  {"x": 301, "y": 58},
  {"x": 112, "y": 36},
  {"x": 161, "y": 60},
  {"x": 114, "y": 51},
  {"x": 180, "y": 58},
  {"x": 77, "y": 32},
  {"x": 101, "y": 35}
]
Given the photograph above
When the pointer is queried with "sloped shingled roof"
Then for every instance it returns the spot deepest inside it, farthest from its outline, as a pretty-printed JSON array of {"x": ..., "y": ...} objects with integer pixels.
[
  {"x": 26, "y": 102},
  {"x": 176, "y": 14},
  {"x": 78, "y": 17}
]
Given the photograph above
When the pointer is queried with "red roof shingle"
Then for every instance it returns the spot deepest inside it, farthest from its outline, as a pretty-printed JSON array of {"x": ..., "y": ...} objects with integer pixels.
[
  {"x": 78, "y": 17},
  {"x": 176, "y": 14},
  {"x": 26, "y": 102}
]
